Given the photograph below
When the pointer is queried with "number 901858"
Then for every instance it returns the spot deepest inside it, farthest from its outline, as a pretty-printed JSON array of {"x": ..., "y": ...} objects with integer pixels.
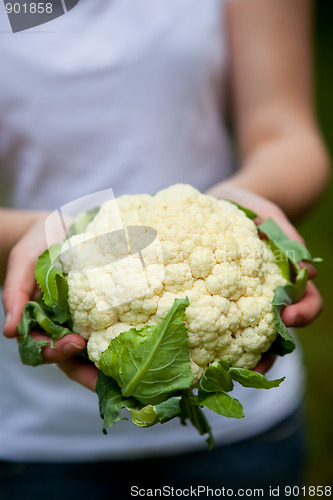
[
  {"x": 310, "y": 491},
  {"x": 29, "y": 8}
]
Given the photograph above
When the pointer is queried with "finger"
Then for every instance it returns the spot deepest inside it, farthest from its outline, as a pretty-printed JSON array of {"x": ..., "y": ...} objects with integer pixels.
[
  {"x": 265, "y": 363},
  {"x": 312, "y": 271},
  {"x": 18, "y": 288},
  {"x": 20, "y": 282},
  {"x": 306, "y": 310},
  {"x": 65, "y": 348},
  {"x": 82, "y": 372}
]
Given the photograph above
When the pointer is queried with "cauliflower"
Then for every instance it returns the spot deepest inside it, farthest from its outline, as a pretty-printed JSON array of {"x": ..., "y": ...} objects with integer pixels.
[
  {"x": 178, "y": 298},
  {"x": 211, "y": 253}
]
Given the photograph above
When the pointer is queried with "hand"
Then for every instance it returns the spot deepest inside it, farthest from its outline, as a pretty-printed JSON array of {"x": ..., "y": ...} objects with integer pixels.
[
  {"x": 20, "y": 287},
  {"x": 309, "y": 307}
]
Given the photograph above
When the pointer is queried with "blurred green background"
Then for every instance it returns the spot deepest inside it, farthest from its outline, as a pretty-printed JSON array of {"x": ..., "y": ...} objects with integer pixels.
[{"x": 317, "y": 229}]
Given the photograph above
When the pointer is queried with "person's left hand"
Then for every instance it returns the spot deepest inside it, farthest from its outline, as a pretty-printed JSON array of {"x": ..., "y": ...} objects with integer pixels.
[{"x": 310, "y": 306}]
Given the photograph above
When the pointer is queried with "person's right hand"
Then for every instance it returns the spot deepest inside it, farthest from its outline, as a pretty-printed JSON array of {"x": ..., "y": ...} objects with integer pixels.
[{"x": 20, "y": 287}]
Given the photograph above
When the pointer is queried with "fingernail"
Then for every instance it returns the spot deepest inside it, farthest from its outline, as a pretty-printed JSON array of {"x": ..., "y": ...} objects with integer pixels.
[
  {"x": 8, "y": 319},
  {"x": 72, "y": 348}
]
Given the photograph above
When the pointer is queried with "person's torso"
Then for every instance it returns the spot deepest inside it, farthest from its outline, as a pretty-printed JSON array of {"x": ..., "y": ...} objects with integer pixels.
[
  {"x": 120, "y": 94},
  {"x": 125, "y": 95}
]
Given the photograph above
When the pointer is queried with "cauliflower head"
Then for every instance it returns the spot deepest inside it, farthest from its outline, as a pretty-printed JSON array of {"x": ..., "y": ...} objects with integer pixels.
[{"x": 206, "y": 249}]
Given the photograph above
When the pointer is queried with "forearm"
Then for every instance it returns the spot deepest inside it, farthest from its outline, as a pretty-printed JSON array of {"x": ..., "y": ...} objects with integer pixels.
[
  {"x": 13, "y": 225},
  {"x": 291, "y": 171},
  {"x": 282, "y": 156}
]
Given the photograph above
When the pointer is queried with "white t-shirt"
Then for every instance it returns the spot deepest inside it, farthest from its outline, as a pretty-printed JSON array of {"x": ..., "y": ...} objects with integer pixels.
[{"x": 125, "y": 95}]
